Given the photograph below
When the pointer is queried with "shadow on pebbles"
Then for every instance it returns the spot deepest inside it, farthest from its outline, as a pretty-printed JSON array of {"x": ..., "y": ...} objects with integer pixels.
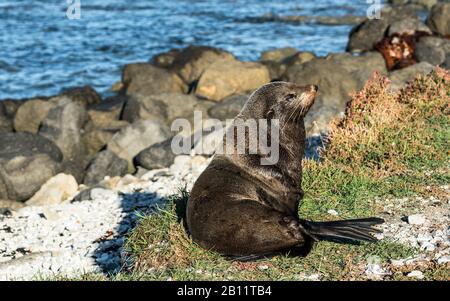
[{"x": 84, "y": 235}]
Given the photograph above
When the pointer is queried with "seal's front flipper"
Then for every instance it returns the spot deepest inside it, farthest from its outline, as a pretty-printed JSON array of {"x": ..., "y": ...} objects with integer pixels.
[{"x": 346, "y": 231}]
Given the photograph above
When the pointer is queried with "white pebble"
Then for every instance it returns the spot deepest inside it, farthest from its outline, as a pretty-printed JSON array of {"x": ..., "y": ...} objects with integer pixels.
[
  {"x": 416, "y": 274},
  {"x": 416, "y": 219},
  {"x": 332, "y": 212},
  {"x": 443, "y": 259}
]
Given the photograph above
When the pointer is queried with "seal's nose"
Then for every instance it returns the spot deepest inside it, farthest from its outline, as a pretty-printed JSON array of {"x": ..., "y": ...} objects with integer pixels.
[{"x": 313, "y": 88}]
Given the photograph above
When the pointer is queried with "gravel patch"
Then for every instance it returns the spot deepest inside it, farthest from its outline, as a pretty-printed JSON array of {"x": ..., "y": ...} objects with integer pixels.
[{"x": 87, "y": 235}]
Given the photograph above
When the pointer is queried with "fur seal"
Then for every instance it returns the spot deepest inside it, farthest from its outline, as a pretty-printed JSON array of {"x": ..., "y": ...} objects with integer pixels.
[{"x": 243, "y": 209}]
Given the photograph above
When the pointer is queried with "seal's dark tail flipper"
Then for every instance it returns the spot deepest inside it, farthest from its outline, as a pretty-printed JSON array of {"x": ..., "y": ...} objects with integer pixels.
[{"x": 346, "y": 231}]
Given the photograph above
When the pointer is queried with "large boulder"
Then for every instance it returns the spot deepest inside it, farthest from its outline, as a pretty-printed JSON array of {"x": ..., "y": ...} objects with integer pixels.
[
  {"x": 192, "y": 61},
  {"x": 229, "y": 107},
  {"x": 139, "y": 135},
  {"x": 337, "y": 76},
  {"x": 55, "y": 191},
  {"x": 365, "y": 35},
  {"x": 105, "y": 163},
  {"x": 361, "y": 66},
  {"x": 433, "y": 50},
  {"x": 146, "y": 79},
  {"x": 26, "y": 162},
  {"x": 278, "y": 64},
  {"x": 156, "y": 156},
  {"x": 228, "y": 77},
  {"x": 75, "y": 168},
  {"x": 63, "y": 126},
  {"x": 29, "y": 116},
  {"x": 164, "y": 107},
  {"x": 85, "y": 95},
  {"x": 408, "y": 26},
  {"x": 439, "y": 19},
  {"x": 335, "y": 82},
  {"x": 399, "y": 78}
]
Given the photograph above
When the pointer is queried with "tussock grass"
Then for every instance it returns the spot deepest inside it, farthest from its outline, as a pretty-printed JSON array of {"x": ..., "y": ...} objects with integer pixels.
[{"x": 388, "y": 145}]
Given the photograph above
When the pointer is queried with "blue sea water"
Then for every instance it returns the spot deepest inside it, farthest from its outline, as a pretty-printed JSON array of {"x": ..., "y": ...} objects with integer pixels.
[{"x": 42, "y": 51}]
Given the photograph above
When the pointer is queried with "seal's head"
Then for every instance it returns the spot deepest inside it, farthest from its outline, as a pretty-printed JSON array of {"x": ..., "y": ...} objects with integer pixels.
[{"x": 285, "y": 101}]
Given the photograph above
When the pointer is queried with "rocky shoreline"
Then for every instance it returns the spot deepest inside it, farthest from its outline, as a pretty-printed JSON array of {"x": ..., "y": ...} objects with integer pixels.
[{"x": 74, "y": 167}]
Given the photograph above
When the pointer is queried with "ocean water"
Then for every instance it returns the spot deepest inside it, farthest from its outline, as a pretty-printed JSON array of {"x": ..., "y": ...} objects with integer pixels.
[{"x": 42, "y": 51}]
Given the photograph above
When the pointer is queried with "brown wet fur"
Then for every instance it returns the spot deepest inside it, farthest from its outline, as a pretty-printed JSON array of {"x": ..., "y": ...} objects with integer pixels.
[{"x": 239, "y": 207}]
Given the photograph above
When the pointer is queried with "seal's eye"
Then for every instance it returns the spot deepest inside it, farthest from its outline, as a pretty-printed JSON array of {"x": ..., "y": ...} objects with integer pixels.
[{"x": 290, "y": 97}]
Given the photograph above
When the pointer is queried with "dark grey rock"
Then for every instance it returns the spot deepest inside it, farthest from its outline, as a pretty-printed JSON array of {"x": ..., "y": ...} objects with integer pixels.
[
  {"x": 106, "y": 163},
  {"x": 158, "y": 155},
  {"x": 399, "y": 78},
  {"x": 27, "y": 145},
  {"x": 27, "y": 161},
  {"x": 364, "y": 36},
  {"x": 439, "y": 18},
  {"x": 337, "y": 76},
  {"x": 63, "y": 126},
  {"x": 139, "y": 135},
  {"x": 164, "y": 107},
  {"x": 229, "y": 107},
  {"x": 408, "y": 26},
  {"x": 75, "y": 168},
  {"x": 146, "y": 79},
  {"x": 431, "y": 50}
]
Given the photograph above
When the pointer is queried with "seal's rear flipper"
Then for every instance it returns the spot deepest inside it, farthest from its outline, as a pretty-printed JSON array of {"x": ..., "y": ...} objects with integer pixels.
[{"x": 346, "y": 231}]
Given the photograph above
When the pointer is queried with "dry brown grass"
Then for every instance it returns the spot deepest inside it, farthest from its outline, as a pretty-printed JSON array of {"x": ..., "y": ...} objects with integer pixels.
[{"x": 382, "y": 131}]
